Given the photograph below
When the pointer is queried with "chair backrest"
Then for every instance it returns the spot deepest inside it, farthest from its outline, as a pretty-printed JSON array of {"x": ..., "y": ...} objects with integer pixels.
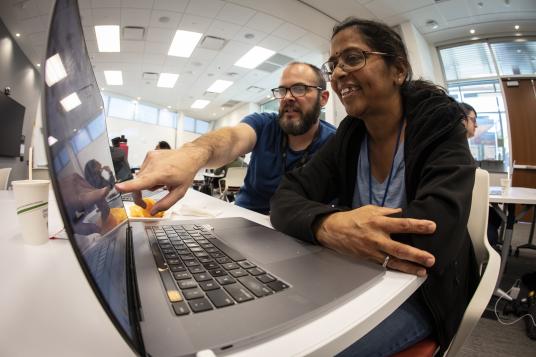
[
  {"x": 4, "y": 177},
  {"x": 235, "y": 176},
  {"x": 488, "y": 260}
]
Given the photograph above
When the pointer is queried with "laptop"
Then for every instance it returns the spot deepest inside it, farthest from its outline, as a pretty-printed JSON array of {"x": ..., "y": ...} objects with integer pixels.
[{"x": 173, "y": 288}]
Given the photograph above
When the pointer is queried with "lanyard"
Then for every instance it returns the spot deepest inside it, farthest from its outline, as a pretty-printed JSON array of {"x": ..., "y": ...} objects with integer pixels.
[
  {"x": 304, "y": 158},
  {"x": 390, "y": 171}
]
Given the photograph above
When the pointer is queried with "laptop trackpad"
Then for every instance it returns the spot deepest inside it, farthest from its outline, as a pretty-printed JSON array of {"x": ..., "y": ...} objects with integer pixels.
[{"x": 265, "y": 244}]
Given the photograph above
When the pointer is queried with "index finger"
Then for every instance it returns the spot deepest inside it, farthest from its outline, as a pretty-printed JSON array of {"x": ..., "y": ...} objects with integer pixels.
[
  {"x": 406, "y": 225},
  {"x": 137, "y": 184}
]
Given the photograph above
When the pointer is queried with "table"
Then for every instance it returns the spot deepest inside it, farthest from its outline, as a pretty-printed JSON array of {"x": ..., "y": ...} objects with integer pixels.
[
  {"x": 47, "y": 308},
  {"x": 510, "y": 198}
]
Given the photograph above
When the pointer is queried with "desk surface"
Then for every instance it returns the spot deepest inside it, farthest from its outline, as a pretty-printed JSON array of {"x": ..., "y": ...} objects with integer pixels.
[
  {"x": 47, "y": 308},
  {"x": 517, "y": 195}
]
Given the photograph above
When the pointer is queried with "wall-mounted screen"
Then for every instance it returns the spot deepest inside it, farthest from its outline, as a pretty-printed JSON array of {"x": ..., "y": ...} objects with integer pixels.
[{"x": 11, "y": 122}]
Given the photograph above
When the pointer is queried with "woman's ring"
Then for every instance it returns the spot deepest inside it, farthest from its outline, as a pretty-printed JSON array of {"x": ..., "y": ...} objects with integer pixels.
[{"x": 386, "y": 260}]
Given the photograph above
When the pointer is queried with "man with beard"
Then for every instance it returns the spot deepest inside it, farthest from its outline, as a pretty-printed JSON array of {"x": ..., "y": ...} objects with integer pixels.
[{"x": 278, "y": 142}]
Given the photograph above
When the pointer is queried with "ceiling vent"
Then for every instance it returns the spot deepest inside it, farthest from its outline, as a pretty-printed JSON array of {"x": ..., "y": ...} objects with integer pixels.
[
  {"x": 212, "y": 43},
  {"x": 149, "y": 76},
  {"x": 255, "y": 89},
  {"x": 134, "y": 33},
  {"x": 230, "y": 103},
  {"x": 274, "y": 63}
]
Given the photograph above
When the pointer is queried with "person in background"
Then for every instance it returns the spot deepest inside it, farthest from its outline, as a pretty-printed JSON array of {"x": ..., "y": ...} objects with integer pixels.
[
  {"x": 278, "y": 142},
  {"x": 469, "y": 119},
  {"x": 394, "y": 186},
  {"x": 123, "y": 144},
  {"x": 119, "y": 159},
  {"x": 162, "y": 145},
  {"x": 238, "y": 162},
  {"x": 97, "y": 175}
]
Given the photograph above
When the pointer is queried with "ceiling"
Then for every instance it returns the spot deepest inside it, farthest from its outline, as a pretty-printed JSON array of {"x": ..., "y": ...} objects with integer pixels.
[{"x": 296, "y": 29}]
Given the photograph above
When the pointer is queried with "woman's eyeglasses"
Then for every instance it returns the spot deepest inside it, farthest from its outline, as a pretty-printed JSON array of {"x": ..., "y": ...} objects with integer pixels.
[
  {"x": 297, "y": 90},
  {"x": 349, "y": 61}
]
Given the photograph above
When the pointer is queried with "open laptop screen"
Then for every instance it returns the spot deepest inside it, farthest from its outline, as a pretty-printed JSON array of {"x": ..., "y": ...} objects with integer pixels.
[{"x": 80, "y": 164}]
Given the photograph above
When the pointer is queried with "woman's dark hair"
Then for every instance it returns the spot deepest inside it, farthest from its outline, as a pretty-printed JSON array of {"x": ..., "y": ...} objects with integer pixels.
[
  {"x": 382, "y": 38},
  {"x": 163, "y": 145},
  {"x": 467, "y": 109}
]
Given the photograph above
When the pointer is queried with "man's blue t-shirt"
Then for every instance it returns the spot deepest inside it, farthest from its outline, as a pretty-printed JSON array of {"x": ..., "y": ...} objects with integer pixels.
[{"x": 265, "y": 168}]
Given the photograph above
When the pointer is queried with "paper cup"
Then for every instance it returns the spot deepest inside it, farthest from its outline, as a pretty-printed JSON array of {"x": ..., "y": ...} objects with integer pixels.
[
  {"x": 31, "y": 197},
  {"x": 506, "y": 184}
]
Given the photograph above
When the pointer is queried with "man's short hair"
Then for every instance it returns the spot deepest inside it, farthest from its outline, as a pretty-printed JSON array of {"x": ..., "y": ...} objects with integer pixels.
[{"x": 320, "y": 81}]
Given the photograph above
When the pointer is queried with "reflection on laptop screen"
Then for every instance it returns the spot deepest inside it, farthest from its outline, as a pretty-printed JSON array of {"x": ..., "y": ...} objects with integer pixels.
[{"x": 80, "y": 163}]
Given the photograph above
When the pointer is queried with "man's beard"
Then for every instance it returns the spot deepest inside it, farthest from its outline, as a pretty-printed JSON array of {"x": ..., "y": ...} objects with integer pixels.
[{"x": 303, "y": 124}]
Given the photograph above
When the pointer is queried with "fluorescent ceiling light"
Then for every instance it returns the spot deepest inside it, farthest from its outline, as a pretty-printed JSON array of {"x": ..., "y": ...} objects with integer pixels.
[
  {"x": 114, "y": 78},
  {"x": 52, "y": 140},
  {"x": 54, "y": 70},
  {"x": 183, "y": 43},
  {"x": 167, "y": 80},
  {"x": 200, "y": 104},
  {"x": 219, "y": 86},
  {"x": 254, "y": 57},
  {"x": 108, "y": 38},
  {"x": 70, "y": 102}
]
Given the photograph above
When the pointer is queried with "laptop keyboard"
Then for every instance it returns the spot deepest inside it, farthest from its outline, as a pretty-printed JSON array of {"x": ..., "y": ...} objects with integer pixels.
[{"x": 201, "y": 273}]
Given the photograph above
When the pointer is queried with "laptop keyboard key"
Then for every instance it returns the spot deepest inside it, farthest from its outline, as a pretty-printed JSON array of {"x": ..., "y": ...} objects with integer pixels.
[
  {"x": 230, "y": 266},
  {"x": 220, "y": 298},
  {"x": 238, "y": 292},
  {"x": 237, "y": 273},
  {"x": 211, "y": 265},
  {"x": 246, "y": 264},
  {"x": 277, "y": 285},
  {"x": 191, "y": 263},
  {"x": 191, "y": 294},
  {"x": 256, "y": 271},
  {"x": 255, "y": 286},
  {"x": 200, "y": 305},
  {"x": 266, "y": 278},
  {"x": 202, "y": 277},
  {"x": 180, "y": 308},
  {"x": 224, "y": 280},
  {"x": 196, "y": 269},
  {"x": 209, "y": 285},
  {"x": 177, "y": 267},
  {"x": 224, "y": 260},
  {"x": 217, "y": 272},
  {"x": 187, "y": 284},
  {"x": 181, "y": 275}
]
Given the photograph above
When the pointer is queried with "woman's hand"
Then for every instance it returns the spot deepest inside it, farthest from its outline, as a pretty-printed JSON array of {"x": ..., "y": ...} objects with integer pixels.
[{"x": 365, "y": 232}]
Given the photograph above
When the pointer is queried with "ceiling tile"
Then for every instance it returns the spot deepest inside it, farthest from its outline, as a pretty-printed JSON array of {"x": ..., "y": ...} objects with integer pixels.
[
  {"x": 32, "y": 25},
  {"x": 173, "y": 21},
  {"x": 27, "y": 10},
  {"x": 236, "y": 14},
  {"x": 132, "y": 46},
  {"x": 289, "y": 32},
  {"x": 154, "y": 58},
  {"x": 314, "y": 42},
  {"x": 135, "y": 17},
  {"x": 156, "y": 47},
  {"x": 387, "y": 8},
  {"x": 222, "y": 29},
  {"x": 274, "y": 43},
  {"x": 171, "y": 5},
  {"x": 155, "y": 34},
  {"x": 105, "y": 3},
  {"x": 82, "y": 4},
  {"x": 208, "y": 8},
  {"x": 203, "y": 55},
  {"x": 294, "y": 51},
  {"x": 245, "y": 32},
  {"x": 450, "y": 10},
  {"x": 263, "y": 22},
  {"x": 194, "y": 23},
  {"x": 138, "y": 4},
  {"x": 106, "y": 16},
  {"x": 236, "y": 48},
  {"x": 87, "y": 17}
]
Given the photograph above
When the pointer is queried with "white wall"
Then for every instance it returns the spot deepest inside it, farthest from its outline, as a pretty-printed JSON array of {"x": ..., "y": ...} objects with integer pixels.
[{"x": 234, "y": 117}]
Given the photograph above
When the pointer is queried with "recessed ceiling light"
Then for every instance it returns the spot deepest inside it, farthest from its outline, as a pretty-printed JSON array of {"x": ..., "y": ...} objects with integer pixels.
[
  {"x": 114, "y": 78},
  {"x": 167, "y": 80},
  {"x": 516, "y": 27},
  {"x": 108, "y": 38},
  {"x": 70, "y": 102},
  {"x": 472, "y": 31},
  {"x": 200, "y": 104},
  {"x": 138, "y": 98},
  {"x": 219, "y": 86},
  {"x": 519, "y": 34},
  {"x": 475, "y": 38},
  {"x": 432, "y": 24},
  {"x": 54, "y": 70},
  {"x": 222, "y": 108},
  {"x": 183, "y": 43},
  {"x": 169, "y": 106},
  {"x": 17, "y": 34},
  {"x": 38, "y": 65},
  {"x": 254, "y": 57}
]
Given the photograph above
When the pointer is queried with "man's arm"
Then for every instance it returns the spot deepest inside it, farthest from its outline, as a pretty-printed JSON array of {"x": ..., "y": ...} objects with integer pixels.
[{"x": 176, "y": 169}]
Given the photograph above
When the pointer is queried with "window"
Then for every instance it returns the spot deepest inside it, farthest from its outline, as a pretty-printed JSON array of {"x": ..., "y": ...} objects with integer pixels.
[
  {"x": 188, "y": 124},
  {"x": 146, "y": 113},
  {"x": 80, "y": 140},
  {"x": 96, "y": 127},
  {"x": 167, "y": 118},
  {"x": 121, "y": 108},
  {"x": 467, "y": 62},
  {"x": 518, "y": 57},
  {"x": 271, "y": 106},
  {"x": 202, "y": 126}
]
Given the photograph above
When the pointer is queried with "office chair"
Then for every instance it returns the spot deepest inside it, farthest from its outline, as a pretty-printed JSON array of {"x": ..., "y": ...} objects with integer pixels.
[
  {"x": 234, "y": 179},
  {"x": 488, "y": 261},
  {"x": 4, "y": 177}
]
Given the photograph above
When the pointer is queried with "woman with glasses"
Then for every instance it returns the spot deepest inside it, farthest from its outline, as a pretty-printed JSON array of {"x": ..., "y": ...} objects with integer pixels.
[
  {"x": 393, "y": 186},
  {"x": 469, "y": 119}
]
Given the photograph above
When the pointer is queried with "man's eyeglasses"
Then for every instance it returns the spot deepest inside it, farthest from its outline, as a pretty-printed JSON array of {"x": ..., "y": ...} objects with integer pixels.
[
  {"x": 349, "y": 61},
  {"x": 297, "y": 90}
]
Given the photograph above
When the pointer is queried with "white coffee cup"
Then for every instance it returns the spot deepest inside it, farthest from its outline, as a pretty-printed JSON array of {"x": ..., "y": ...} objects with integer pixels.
[
  {"x": 31, "y": 197},
  {"x": 506, "y": 183}
]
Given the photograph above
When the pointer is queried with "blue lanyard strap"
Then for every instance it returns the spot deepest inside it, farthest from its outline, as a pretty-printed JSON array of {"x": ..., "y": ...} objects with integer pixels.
[{"x": 390, "y": 171}]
